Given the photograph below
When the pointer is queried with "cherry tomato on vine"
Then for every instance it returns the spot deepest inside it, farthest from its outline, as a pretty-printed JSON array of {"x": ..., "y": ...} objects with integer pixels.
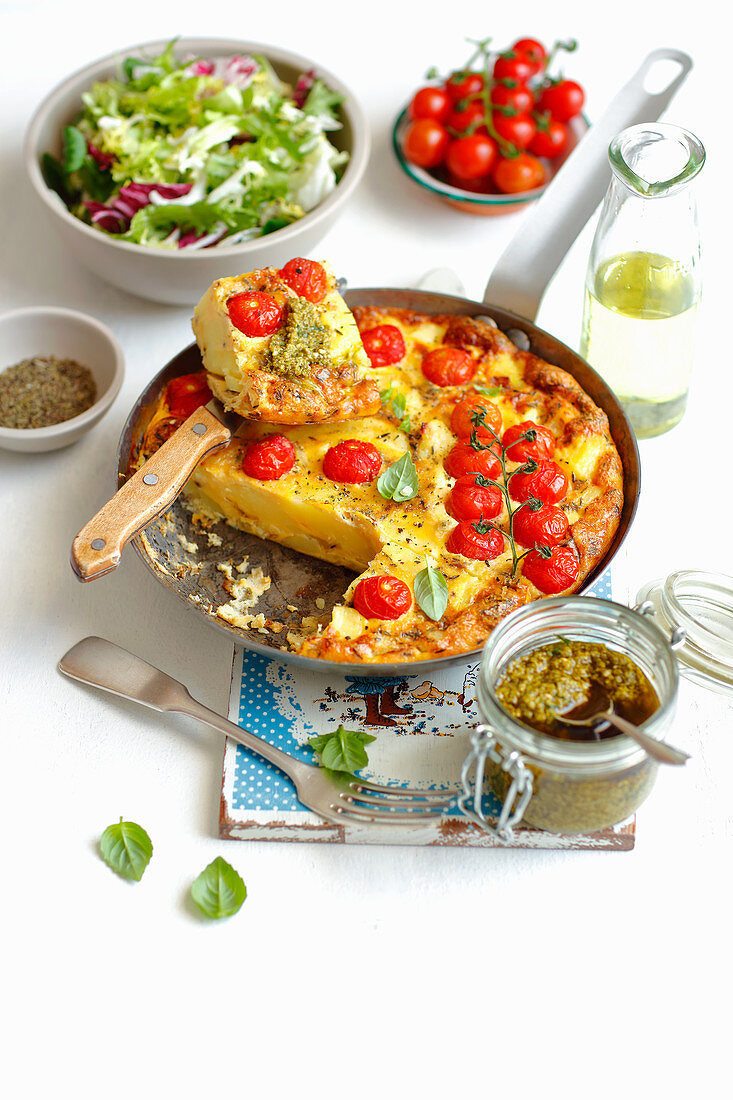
[
  {"x": 352, "y": 460},
  {"x": 383, "y": 597},
  {"x": 461, "y": 423},
  {"x": 466, "y": 540},
  {"x": 467, "y": 500},
  {"x": 472, "y": 157},
  {"x": 269, "y": 458},
  {"x": 448, "y": 367},
  {"x": 187, "y": 393},
  {"x": 306, "y": 277},
  {"x": 547, "y": 483},
  {"x": 518, "y": 130},
  {"x": 541, "y": 446},
  {"x": 461, "y": 85},
  {"x": 547, "y": 525},
  {"x": 533, "y": 50},
  {"x": 464, "y": 459},
  {"x": 513, "y": 175},
  {"x": 426, "y": 142},
  {"x": 518, "y": 98},
  {"x": 255, "y": 313},
  {"x": 430, "y": 102},
  {"x": 472, "y": 114},
  {"x": 513, "y": 65},
  {"x": 564, "y": 100},
  {"x": 384, "y": 344},
  {"x": 550, "y": 139},
  {"x": 554, "y": 573}
]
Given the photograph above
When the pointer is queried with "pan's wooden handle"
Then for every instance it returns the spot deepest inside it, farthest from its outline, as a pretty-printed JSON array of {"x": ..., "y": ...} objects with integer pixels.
[{"x": 97, "y": 548}]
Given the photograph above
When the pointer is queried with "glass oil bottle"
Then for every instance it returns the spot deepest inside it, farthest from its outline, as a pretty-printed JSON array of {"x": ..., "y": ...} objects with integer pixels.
[{"x": 643, "y": 281}]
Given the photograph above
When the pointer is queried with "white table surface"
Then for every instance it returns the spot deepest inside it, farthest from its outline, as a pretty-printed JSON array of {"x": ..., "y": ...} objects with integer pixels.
[{"x": 407, "y": 972}]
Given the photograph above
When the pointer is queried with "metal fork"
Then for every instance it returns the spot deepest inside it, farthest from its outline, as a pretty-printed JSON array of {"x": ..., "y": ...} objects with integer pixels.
[{"x": 340, "y": 801}]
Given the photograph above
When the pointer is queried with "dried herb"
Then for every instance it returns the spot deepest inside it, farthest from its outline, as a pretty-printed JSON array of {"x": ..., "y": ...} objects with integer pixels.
[{"x": 43, "y": 391}]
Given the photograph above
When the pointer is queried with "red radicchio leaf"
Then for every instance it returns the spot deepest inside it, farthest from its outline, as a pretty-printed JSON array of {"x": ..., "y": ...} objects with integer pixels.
[
  {"x": 303, "y": 87},
  {"x": 203, "y": 68},
  {"x": 104, "y": 160}
]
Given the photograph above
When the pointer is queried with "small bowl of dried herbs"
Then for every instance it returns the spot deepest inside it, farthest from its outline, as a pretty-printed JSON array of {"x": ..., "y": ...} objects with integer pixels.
[{"x": 60, "y": 372}]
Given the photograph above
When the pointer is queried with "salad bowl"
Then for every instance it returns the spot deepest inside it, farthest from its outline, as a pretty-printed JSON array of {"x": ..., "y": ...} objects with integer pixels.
[{"x": 179, "y": 275}]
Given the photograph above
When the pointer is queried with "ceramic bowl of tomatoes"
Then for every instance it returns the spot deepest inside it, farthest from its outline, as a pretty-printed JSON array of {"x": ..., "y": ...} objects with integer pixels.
[{"x": 489, "y": 137}]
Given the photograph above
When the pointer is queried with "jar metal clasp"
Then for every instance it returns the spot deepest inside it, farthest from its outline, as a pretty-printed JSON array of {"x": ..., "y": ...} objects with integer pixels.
[
  {"x": 677, "y": 638},
  {"x": 516, "y": 800}
]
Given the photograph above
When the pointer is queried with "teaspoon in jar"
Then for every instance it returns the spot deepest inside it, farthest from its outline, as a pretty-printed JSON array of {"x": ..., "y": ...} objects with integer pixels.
[{"x": 598, "y": 708}]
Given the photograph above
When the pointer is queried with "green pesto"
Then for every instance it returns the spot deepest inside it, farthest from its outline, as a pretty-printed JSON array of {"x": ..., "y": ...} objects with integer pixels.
[
  {"x": 536, "y": 687},
  {"x": 301, "y": 343}
]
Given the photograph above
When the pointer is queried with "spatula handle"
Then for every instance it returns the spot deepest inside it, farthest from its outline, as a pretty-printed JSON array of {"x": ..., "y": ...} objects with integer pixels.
[{"x": 97, "y": 548}]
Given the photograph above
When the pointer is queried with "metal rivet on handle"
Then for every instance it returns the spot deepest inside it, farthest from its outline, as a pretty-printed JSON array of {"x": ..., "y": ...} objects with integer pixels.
[
  {"x": 488, "y": 320},
  {"x": 98, "y": 544},
  {"x": 150, "y": 479},
  {"x": 200, "y": 429},
  {"x": 519, "y": 338}
]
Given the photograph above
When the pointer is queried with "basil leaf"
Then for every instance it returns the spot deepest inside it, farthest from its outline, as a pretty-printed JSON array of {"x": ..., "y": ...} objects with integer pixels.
[
  {"x": 490, "y": 391},
  {"x": 431, "y": 592},
  {"x": 343, "y": 750},
  {"x": 399, "y": 481},
  {"x": 219, "y": 890},
  {"x": 75, "y": 149},
  {"x": 126, "y": 848}
]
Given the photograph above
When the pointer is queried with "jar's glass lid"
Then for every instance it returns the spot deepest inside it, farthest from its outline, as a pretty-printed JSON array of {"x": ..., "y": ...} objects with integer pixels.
[{"x": 701, "y": 605}]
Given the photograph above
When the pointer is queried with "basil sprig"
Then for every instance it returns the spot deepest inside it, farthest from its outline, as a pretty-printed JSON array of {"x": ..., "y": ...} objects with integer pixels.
[
  {"x": 126, "y": 848},
  {"x": 431, "y": 591},
  {"x": 343, "y": 750},
  {"x": 219, "y": 890},
  {"x": 398, "y": 403},
  {"x": 399, "y": 481}
]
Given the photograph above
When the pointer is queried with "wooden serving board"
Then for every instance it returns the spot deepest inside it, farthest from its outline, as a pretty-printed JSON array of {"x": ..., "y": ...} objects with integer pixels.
[{"x": 421, "y": 723}]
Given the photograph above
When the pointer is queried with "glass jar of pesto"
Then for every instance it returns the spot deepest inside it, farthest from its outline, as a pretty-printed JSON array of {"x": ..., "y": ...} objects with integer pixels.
[{"x": 560, "y": 785}]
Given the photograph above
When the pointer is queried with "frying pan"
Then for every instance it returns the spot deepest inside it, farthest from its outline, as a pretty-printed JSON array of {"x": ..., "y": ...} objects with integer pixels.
[{"x": 186, "y": 558}]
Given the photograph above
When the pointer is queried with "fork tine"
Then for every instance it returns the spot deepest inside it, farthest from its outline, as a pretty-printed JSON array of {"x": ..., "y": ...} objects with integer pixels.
[
  {"x": 401, "y": 792},
  {"x": 356, "y": 813},
  {"x": 397, "y": 803}
]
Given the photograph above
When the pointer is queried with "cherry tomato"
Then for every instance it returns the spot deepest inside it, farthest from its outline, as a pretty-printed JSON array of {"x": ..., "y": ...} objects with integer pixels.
[
  {"x": 547, "y": 483},
  {"x": 472, "y": 157},
  {"x": 462, "y": 85},
  {"x": 513, "y": 66},
  {"x": 533, "y": 50},
  {"x": 461, "y": 423},
  {"x": 464, "y": 459},
  {"x": 550, "y": 139},
  {"x": 542, "y": 446},
  {"x": 430, "y": 102},
  {"x": 255, "y": 313},
  {"x": 352, "y": 460},
  {"x": 382, "y": 597},
  {"x": 547, "y": 525},
  {"x": 448, "y": 367},
  {"x": 426, "y": 142},
  {"x": 513, "y": 175},
  {"x": 384, "y": 345},
  {"x": 306, "y": 277},
  {"x": 564, "y": 100},
  {"x": 187, "y": 393},
  {"x": 269, "y": 458},
  {"x": 467, "y": 500},
  {"x": 518, "y": 130},
  {"x": 472, "y": 114},
  {"x": 466, "y": 540},
  {"x": 518, "y": 98},
  {"x": 554, "y": 573}
]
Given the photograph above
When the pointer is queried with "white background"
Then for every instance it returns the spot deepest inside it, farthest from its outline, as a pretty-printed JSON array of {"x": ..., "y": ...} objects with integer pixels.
[{"x": 379, "y": 971}]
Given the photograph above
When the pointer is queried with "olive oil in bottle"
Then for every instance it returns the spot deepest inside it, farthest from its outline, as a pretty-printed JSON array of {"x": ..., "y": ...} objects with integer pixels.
[
  {"x": 643, "y": 280},
  {"x": 639, "y": 334}
]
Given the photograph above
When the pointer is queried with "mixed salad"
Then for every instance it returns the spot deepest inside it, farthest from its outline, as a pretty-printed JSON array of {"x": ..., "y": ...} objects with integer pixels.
[{"x": 197, "y": 153}]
